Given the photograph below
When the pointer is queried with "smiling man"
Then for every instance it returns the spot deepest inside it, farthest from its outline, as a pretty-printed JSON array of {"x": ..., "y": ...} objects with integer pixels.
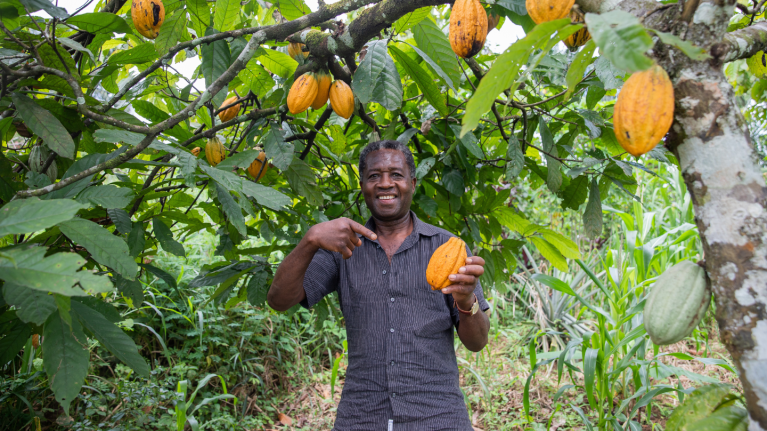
[{"x": 402, "y": 372}]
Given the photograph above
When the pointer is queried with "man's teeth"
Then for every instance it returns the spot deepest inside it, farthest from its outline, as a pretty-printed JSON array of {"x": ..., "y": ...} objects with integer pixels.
[{"x": 387, "y": 197}]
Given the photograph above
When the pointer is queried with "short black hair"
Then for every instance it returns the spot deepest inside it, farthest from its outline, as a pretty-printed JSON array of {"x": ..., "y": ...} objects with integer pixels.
[{"x": 387, "y": 145}]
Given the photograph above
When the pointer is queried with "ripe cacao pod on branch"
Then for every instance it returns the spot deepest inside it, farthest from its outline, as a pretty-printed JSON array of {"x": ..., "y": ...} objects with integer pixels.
[
  {"x": 296, "y": 50},
  {"x": 492, "y": 21},
  {"x": 342, "y": 99},
  {"x": 323, "y": 89},
  {"x": 255, "y": 169},
  {"x": 446, "y": 260},
  {"x": 229, "y": 113},
  {"x": 580, "y": 37},
  {"x": 468, "y": 28},
  {"x": 302, "y": 93},
  {"x": 196, "y": 151},
  {"x": 644, "y": 110},
  {"x": 215, "y": 151},
  {"x": 148, "y": 16},
  {"x": 677, "y": 303},
  {"x": 548, "y": 10}
]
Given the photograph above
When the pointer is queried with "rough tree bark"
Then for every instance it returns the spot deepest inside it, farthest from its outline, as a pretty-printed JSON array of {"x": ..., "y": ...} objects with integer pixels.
[{"x": 721, "y": 170}]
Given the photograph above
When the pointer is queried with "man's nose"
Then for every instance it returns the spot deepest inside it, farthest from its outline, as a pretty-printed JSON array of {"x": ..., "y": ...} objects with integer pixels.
[{"x": 386, "y": 181}]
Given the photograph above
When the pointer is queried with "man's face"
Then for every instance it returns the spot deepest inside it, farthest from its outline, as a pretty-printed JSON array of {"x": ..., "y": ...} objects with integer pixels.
[{"x": 386, "y": 185}]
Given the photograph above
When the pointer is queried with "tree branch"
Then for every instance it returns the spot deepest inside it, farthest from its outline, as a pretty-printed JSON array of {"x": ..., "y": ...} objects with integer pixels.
[{"x": 743, "y": 43}]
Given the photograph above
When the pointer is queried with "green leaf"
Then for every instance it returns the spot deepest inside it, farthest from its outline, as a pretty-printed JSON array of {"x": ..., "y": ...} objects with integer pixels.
[
  {"x": 32, "y": 306},
  {"x": 257, "y": 79},
  {"x": 436, "y": 46},
  {"x": 164, "y": 235},
  {"x": 69, "y": 43},
  {"x": 53, "y": 10},
  {"x": 608, "y": 73},
  {"x": 56, "y": 273},
  {"x": 32, "y": 214},
  {"x": 554, "y": 175},
  {"x": 301, "y": 178},
  {"x": 503, "y": 75},
  {"x": 171, "y": 31},
  {"x": 216, "y": 58},
  {"x": 578, "y": 67},
  {"x": 121, "y": 219},
  {"x": 592, "y": 216},
  {"x": 232, "y": 210},
  {"x": 258, "y": 288},
  {"x": 278, "y": 62},
  {"x": 162, "y": 275},
  {"x": 621, "y": 38},
  {"x": 107, "y": 196},
  {"x": 111, "y": 337},
  {"x": 453, "y": 182},
  {"x": 424, "y": 81},
  {"x": 575, "y": 193},
  {"x": 516, "y": 159},
  {"x": 469, "y": 141},
  {"x": 130, "y": 289},
  {"x": 563, "y": 244},
  {"x": 105, "y": 248},
  {"x": 65, "y": 358},
  {"x": 143, "y": 53},
  {"x": 407, "y": 21},
  {"x": 238, "y": 161},
  {"x": 227, "y": 14},
  {"x": 376, "y": 78},
  {"x": 44, "y": 125},
  {"x": 729, "y": 418},
  {"x": 690, "y": 50},
  {"x": 226, "y": 179},
  {"x": 512, "y": 220},
  {"x": 199, "y": 11},
  {"x": 279, "y": 151},
  {"x": 15, "y": 335},
  {"x": 265, "y": 196},
  {"x": 136, "y": 239},
  {"x": 100, "y": 22},
  {"x": 550, "y": 253},
  {"x": 292, "y": 9}
]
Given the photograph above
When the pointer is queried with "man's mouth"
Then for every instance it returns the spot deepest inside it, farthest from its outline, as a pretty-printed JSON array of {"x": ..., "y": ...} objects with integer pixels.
[{"x": 386, "y": 197}]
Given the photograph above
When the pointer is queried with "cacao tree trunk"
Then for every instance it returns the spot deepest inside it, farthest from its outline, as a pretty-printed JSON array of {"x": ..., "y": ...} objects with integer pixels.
[{"x": 720, "y": 167}]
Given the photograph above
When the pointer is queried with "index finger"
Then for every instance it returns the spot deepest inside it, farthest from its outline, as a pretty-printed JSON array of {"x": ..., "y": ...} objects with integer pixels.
[{"x": 362, "y": 230}]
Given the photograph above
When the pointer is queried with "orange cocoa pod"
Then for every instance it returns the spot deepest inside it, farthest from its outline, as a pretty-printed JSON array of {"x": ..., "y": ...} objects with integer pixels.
[
  {"x": 229, "y": 113},
  {"x": 215, "y": 151},
  {"x": 644, "y": 110},
  {"x": 468, "y": 28},
  {"x": 446, "y": 260},
  {"x": 341, "y": 99},
  {"x": 295, "y": 50},
  {"x": 255, "y": 170},
  {"x": 196, "y": 151},
  {"x": 548, "y": 10},
  {"x": 302, "y": 93},
  {"x": 580, "y": 37},
  {"x": 148, "y": 16},
  {"x": 323, "y": 90}
]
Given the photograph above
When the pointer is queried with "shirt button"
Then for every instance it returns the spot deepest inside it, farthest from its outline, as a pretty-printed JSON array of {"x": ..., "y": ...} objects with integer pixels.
[
  {"x": 391, "y": 330},
  {"x": 384, "y": 271},
  {"x": 392, "y": 363},
  {"x": 392, "y": 300},
  {"x": 393, "y": 394}
]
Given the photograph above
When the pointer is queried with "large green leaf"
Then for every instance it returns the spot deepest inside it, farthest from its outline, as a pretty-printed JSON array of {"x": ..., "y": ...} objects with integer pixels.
[
  {"x": 277, "y": 62},
  {"x": 376, "y": 78},
  {"x": 216, "y": 58},
  {"x": 232, "y": 210},
  {"x": 105, "y": 248},
  {"x": 111, "y": 337},
  {"x": 107, "y": 196},
  {"x": 44, "y": 125},
  {"x": 292, "y": 9},
  {"x": 302, "y": 180},
  {"x": 435, "y": 44},
  {"x": 53, "y": 10},
  {"x": 265, "y": 196},
  {"x": 165, "y": 236},
  {"x": 227, "y": 13},
  {"x": 422, "y": 78},
  {"x": 621, "y": 38},
  {"x": 171, "y": 31},
  {"x": 32, "y": 306},
  {"x": 99, "y": 22},
  {"x": 592, "y": 215},
  {"x": 15, "y": 335},
  {"x": 199, "y": 11},
  {"x": 554, "y": 174},
  {"x": 143, "y": 53},
  {"x": 279, "y": 151},
  {"x": 65, "y": 358},
  {"x": 32, "y": 214},
  {"x": 257, "y": 79},
  {"x": 578, "y": 67},
  {"x": 550, "y": 253},
  {"x": 407, "y": 21},
  {"x": 515, "y": 158}
]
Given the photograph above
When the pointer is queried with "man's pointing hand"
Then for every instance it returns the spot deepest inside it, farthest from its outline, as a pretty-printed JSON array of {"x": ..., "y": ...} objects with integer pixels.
[{"x": 339, "y": 235}]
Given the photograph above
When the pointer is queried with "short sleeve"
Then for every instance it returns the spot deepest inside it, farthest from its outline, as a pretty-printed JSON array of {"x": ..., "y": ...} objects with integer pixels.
[
  {"x": 483, "y": 305},
  {"x": 321, "y": 277}
]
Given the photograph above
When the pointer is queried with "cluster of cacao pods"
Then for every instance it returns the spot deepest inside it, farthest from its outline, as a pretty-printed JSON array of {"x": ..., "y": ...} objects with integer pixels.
[
  {"x": 148, "y": 16},
  {"x": 644, "y": 110},
  {"x": 677, "y": 303},
  {"x": 468, "y": 28},
  {"x": 231, "y": 112},
  {"x": 314, "y": 89},
  {"x": 445, "y": 260}
]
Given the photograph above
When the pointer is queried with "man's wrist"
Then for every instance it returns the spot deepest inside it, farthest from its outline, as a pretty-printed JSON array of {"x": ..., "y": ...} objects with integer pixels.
[{"x": 465, "y": 303}]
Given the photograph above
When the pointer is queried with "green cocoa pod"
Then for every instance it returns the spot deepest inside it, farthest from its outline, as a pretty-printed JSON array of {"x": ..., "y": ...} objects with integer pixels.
[
  {"x": 677, "y": 303},
  {"x": 758, "y": 64}
]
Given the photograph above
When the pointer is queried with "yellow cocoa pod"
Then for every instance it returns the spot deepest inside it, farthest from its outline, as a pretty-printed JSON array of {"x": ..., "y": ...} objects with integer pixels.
[
  {"x": 196, "y": 151},
  {"x": 644, "y": 110},
  {"x": 215, "y": 152},
  {"x": 580, "y": 37},
  {"x": 297, "y": 49},
  {"x": 548, "y": 10},
  {"x": 228, "y": 114},
  {"x": 758, "y": 64},
  {"x": 492, "y": 21},
  {"x": 446, "y": 260},
  {"x": 323, "y": 90},
  {"x": 468, "y": 27},
  {"x": 341, "y": 99},
  {"x": 255, "y": 170},
  {"x": 148, "y": 16},
  {"x": 302, "y": 93}
]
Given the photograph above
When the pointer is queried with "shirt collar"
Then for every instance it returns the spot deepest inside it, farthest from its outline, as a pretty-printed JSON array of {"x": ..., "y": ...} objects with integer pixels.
[{"x": 419, "y": 227}]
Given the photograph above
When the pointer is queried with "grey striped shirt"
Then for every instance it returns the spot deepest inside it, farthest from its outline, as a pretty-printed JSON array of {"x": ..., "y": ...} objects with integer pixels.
[{"x": 402, "y": 365}]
